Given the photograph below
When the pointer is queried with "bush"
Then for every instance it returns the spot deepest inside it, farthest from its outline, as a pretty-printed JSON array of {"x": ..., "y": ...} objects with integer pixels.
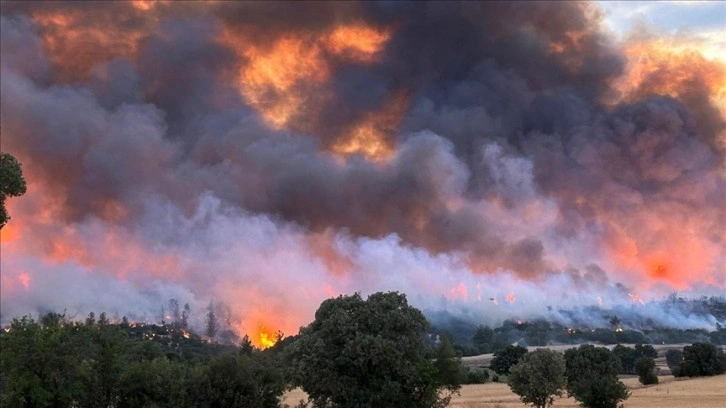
[
  {"x": 477, "y": 376},
  {"x": 701, "y": 359},
  {"x": 645, "y": 368}
]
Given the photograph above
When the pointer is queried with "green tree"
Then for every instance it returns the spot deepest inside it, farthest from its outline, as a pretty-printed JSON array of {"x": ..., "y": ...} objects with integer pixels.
[
  {"x": 627, "y": 356},
  {"x": 368, "y": 353},
  {"x": 39, "y": 365},
  {"x": 12, "y": 183},
  {"x": 645, "y": 350},
  {"x": 674, "y": 358},
  {"x": 482, "y": 339},
  {"x": 504, "y": 359},
  {"x": 592, "y": 377},
  {"x": 702, "y": 359},
  {"x": 645, "y": 368},
  {"x": 538, "y": 378},
  {"x": 234, "y": 380},
  {"x": 448, "y": 364}
]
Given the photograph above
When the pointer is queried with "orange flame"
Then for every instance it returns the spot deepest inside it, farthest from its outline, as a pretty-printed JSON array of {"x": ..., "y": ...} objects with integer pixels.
[
  {"x": 265, "y": 338},
  {"x": 636, "y": 298},
  {"x": 280, "y": 80},
  {"x": 677, "y": 69}
]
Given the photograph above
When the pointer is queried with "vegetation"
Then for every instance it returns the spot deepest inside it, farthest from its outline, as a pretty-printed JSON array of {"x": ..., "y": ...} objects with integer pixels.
[
  {"x": 674, "y": 358},
  {"x": 592, "y": 377},
  {"x": 57, "y": 363},
  {"x": 628, "y": 356},
  {"x": 12, "y": 183},
  {"x": 505, "y": 359},
  {"x": 645, "y": 368},
  {"x": 370, "y": 353},
  {"x": 701, "y": 359},
  {"x": 374, "y": 352},
  {"x": 539, "y": 377}
]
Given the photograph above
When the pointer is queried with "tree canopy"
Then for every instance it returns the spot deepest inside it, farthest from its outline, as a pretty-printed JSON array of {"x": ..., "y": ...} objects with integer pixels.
[
  {"x": 504, "y": 359},
  {"x": 368, "y": 353},
  {"x": 538, "y": 377},
  {"x": 701, "y": 359},
  {"x": 592, "y": 377},
  {"x": 12, "y": 183}
]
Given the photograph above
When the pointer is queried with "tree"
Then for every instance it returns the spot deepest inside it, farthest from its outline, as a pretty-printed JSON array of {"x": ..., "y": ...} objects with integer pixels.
[
  {"x": 592, "y": 377},
  {"x": 504, "y": 359},
  {"x": 448, "y": 364},
  {"x": 482, "y": 339},
  {"x": 674, "y": 358},
  {"x": 645, "y": 368},
  {"x": 12, "y": 183},
  {"x": 701, "y": 359},
  {"x": 211, "y": 324},
  {"x": 538, "y": 377},
  {"x": 368, "y": 353},
  {"x": 627, "y": 356},
  {"x": 234, "y": 380}
]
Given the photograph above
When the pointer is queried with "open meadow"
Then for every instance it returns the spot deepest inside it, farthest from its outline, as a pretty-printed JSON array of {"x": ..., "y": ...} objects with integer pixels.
[{"x": 705, "y": 392}]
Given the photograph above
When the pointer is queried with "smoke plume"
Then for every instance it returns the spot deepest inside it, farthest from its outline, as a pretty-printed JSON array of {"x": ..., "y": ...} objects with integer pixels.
[{"x": 492, "y": 158}]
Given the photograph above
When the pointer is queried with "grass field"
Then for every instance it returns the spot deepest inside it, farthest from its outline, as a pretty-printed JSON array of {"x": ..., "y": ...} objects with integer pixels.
[{"x": 708, "y": 392}]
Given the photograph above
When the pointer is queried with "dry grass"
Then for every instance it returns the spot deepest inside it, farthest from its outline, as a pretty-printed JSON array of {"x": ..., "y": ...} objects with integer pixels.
[{"x": 708, "y": 392}]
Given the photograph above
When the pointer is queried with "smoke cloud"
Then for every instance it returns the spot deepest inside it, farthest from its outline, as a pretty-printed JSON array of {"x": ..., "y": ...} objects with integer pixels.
[{"x": 484, "y": 157}]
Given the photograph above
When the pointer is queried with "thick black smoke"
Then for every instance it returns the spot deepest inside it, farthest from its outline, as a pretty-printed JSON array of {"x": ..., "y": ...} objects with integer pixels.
[{"x": 506, "y": 158}]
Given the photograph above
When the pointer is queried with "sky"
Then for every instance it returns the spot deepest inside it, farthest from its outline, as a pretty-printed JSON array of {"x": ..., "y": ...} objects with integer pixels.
[{"x": 491, "y": 160}]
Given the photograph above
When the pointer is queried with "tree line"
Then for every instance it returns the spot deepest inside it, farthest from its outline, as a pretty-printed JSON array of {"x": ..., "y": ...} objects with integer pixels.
[{"x": 374, "y": 352}]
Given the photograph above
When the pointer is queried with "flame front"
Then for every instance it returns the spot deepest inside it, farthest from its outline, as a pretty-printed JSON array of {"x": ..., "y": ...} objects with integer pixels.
[{"x": 265, "y": 338}]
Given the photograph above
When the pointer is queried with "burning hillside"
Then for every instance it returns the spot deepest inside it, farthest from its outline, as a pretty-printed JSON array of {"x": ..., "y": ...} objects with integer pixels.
[{"x": 488, "y": 156}]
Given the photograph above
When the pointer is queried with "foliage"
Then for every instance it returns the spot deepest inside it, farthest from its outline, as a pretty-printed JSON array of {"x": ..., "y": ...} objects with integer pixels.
[
  {"x": 592, "y": 377},
  {"x": 538, "y": 377},
  {"x": 628, "y": 355},
  {"x": 368, "y": 353},
  {"x": 58, "y": 363},
  {"x": 503, "y": 360},
  {"x": 701, "y": 359},
  {"x": 477, "y": 376},
  {"x": 12, "y": 183},
  {"x": 483, "y": 339},
  {"x": 674, "y": 358},
  {"x": 645, "y": 368}
]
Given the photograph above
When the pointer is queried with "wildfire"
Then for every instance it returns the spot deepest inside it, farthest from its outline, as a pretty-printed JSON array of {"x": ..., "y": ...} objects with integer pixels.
[
  {"x": 636, "y": 298},
  {"x": 266, "y": 338},
  {"x": 286, "y": 80},
  {"x": 369, "y": 136},
  {"x": 76, "y": 44},
  {"x": 511, "y": 298},
  {"x": 676, "y": 69}
]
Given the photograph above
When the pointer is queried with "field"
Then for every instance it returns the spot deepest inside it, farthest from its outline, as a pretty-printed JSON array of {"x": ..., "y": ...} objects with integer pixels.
[{"x": 708, "y": 392}]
